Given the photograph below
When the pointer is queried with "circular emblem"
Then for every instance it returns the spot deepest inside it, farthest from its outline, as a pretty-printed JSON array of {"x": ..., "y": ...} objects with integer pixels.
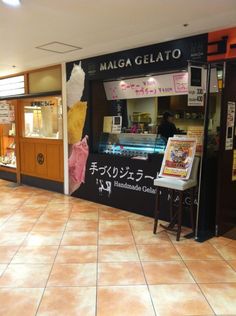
[{"x": 40, "y": 158}]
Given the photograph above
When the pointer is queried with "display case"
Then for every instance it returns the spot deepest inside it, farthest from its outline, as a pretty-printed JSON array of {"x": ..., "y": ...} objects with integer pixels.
[
  {"x": 42, "y": 117},
  {"x": 7, "y": 135},
  {"x": 131, "y": 145}
]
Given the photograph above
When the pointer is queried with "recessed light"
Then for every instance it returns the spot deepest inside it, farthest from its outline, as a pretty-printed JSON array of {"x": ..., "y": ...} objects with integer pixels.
[
  {"x": 13, "y": 66},
  {"x": 13, "y": 3},
  {"x": 185, "y": 24}
]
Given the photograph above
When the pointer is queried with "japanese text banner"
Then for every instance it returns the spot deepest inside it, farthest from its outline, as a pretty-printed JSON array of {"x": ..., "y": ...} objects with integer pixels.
[{"x": 163, "y": 85}]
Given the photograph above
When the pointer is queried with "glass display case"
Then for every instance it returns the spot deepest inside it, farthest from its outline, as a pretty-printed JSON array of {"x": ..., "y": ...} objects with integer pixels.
[
  {"x": 43, "y": 118},
  {"x": 7, "y": 135},
  {"x": 131, "y": 145}
]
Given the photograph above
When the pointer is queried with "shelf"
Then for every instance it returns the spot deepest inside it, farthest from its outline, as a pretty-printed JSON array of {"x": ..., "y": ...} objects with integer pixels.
[{"x": 7, "y": 165}]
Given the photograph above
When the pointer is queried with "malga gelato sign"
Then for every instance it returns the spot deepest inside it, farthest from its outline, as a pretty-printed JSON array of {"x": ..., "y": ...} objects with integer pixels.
[{"x": 161, "y": 56}]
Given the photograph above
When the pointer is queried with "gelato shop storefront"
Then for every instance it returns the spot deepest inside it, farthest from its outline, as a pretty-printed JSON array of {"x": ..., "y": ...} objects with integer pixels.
[{"x": 116, "y": 104}]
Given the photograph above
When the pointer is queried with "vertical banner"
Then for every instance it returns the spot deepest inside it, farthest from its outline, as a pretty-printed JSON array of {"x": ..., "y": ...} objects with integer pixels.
[
  {"x": 196, "y": 86},
  {"x": 230, "y": 126}
]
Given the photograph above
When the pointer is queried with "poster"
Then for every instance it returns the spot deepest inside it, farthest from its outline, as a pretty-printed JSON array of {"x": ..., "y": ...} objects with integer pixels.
[
  {"x": 178, "y": 158},
  {"x": 162, "y": 85},
  {"x": 234, "y": 166},
  {"x": 230, "y": 126},
  {"x": 197, "y": 132},
  {"x": 196, "y": 86},
  {"x": 4, "y": 113}
]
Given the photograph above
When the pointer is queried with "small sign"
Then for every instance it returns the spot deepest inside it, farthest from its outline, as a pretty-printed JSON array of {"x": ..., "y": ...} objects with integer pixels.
[
  {"x": 5, "y": 116},
  {"x": 230, "y": 126},
  {"x": 178, "y": 158},
  {"x": 196, "y": 86}
]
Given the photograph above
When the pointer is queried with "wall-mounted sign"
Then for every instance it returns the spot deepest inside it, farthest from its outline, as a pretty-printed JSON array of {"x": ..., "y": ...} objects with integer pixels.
[
  {"x": 230, "y": 126},
  {"x": 196, "y": 86},
  {"x": 5, "y": 115},
  {"x": 12, "y": 86},
  {"x": 163, "y": 85},
  {"x": 151, "y": 59},
  {"x": 178, "y": 158}
]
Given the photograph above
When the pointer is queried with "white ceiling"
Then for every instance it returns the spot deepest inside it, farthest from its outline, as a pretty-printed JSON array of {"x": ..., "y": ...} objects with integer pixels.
[{"x": 100, "y": 26}]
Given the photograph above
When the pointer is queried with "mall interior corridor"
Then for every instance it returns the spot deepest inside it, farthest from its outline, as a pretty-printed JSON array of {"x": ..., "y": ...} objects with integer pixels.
[{"x": 60, "y": 255}]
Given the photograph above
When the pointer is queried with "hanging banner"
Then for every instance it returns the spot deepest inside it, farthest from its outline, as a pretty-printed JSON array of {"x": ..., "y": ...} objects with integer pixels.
[
  {"x": 178, "y": 158},
  {"x": 163, "y": 85},
  {"x": 230, "y": 126},
  {"x": 196, "y": 86},
  {"x": 5, "y": 115}
]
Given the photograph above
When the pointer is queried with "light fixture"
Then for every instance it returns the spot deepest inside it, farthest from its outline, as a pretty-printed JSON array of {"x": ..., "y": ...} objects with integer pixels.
[{"x": 13, "y": 3}]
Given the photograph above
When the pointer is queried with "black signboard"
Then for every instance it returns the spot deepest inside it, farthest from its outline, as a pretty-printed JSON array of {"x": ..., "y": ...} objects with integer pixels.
[{"x": 167, "y": 56}]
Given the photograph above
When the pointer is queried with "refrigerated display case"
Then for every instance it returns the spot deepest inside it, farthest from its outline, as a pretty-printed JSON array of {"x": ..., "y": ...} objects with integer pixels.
[
  {"x": 43, "y": 118},
  {"x": 131, "y": 145}
]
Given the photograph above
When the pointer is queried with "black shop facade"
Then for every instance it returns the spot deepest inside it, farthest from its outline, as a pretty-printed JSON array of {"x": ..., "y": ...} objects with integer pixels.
[{"x": 117, "y": 101}]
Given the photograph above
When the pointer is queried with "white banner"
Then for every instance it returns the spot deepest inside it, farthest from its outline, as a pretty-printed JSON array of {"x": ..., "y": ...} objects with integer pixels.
[{"x": 156, "y": 86}]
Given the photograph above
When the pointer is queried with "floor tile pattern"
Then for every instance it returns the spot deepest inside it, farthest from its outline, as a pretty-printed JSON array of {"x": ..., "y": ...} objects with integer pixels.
[{"x": 65, "y": 256}]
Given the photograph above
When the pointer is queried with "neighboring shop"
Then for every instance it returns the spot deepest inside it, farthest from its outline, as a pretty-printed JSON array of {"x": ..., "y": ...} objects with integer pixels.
[{"x": 31, "y": 136}]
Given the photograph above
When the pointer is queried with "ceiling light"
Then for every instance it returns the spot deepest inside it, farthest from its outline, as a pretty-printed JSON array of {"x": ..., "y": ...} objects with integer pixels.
[{"x": 13, "y": 3}]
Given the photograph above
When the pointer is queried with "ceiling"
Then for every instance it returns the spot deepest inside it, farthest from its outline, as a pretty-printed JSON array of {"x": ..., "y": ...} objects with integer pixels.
[{"x": 100, "y": 26}]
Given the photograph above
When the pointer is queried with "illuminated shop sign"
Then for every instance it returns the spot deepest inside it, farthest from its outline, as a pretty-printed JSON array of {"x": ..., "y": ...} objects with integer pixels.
[
  {"x": 12, "y": 86},
  {"x": 139, "y": 60}
]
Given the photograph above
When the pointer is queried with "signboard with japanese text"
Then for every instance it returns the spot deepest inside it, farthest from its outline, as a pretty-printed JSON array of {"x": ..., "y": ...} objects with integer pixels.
[
  {"x": 230, "y": 126},
  {"x": 163, "y": 85},
  {"x": 5, "y": 115},
  {"x": 178, "y": 158}
]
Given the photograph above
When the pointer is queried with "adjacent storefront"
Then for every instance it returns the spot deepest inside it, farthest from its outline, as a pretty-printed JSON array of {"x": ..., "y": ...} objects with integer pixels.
[{"x": 31, "y": 128}]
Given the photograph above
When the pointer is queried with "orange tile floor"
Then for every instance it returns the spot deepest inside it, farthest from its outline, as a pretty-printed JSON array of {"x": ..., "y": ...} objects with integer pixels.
[{"x": 65, "y": 256}]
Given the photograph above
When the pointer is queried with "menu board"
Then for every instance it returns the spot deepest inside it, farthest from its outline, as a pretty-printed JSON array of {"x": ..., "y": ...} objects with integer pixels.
[
  {"x": 162, "y": 85},
  {"x": 234, "y": 166},
  {"x": 4, "y": 113},
  {"x": 178, "y": 158}
]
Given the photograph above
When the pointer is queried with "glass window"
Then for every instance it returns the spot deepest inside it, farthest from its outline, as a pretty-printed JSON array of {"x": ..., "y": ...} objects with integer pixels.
[
  {"x": 7, "y": 134},
  {"x": 43, "y": 118}
]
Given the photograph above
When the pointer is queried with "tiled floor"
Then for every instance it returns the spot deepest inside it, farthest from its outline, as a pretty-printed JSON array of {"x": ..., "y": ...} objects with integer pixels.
[{"x": 64, "y": 256}]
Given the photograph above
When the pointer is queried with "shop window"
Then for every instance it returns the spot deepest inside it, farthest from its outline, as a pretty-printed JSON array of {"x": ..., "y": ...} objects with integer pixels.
[{"x": 42, "y": 117}]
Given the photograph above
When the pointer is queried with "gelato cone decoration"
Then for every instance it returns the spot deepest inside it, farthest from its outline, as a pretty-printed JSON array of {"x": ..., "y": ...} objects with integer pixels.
[
  {"x": 76, "y": 120},
  {"x": 77, "y": 109}
]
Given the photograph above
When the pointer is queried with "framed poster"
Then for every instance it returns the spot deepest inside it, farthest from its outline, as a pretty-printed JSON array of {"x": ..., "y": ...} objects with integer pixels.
[
  {"x": 230, "y": 126},
  {"x": 178, "y": 158}
]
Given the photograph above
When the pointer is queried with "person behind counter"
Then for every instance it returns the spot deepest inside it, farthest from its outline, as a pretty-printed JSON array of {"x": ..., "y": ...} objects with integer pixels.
[{"x": 167, "y": 128}]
